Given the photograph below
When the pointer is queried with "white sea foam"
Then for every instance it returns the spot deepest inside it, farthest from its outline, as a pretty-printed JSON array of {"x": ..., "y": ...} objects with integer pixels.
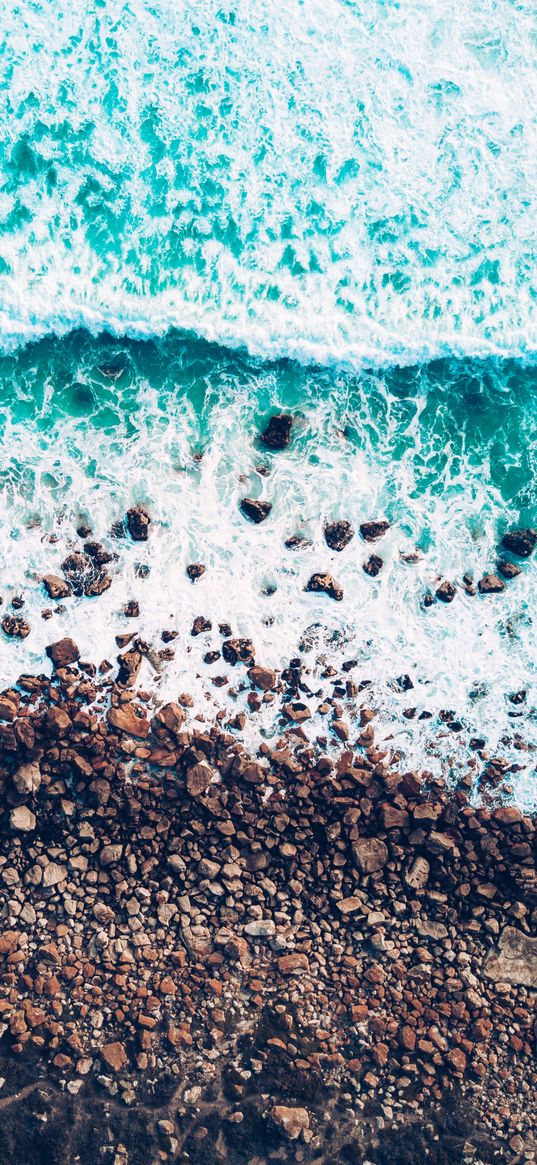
[{"x": 336, "y": 182}]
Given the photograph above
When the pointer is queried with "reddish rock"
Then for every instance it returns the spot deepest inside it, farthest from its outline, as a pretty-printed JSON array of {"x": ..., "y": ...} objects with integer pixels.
[
  {"x": 290, "y": 1121},
  {"x": 15, "y": 627},
  {"x": 490, "y": 584},
  {"x": 289, "y": 964},
  {"x": 198, "y": 779},
  {"x": 56, "y": 588},
  {"x": 63, "y": 653},
  {"x": 114, "y": 1055},
  {"x": 126, "y": 720},
  {"x": 370, "y": 853}
]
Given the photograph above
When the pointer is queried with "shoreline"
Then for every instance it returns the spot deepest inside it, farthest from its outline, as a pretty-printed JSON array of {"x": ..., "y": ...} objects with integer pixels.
[{"x": 316, "y": 932}]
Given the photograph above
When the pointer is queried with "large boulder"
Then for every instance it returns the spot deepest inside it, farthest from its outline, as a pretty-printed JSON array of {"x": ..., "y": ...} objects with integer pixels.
[
  {"x": 520, "y": 542},
  {"x": 290, "y": 1121},
  {"x": 277, "y": 434},
  {"x": 255, "y": 510},
  {"x": 514, "y": 960},
  {"x": 370, "y": 854}
]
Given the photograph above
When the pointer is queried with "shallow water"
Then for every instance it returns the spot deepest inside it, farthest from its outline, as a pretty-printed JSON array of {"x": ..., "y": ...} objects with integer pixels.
[{"x": 446, "y": 452}]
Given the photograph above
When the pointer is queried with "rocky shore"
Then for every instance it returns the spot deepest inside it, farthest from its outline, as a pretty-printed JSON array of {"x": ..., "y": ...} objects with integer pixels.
[{"x": 211, "y": 956}]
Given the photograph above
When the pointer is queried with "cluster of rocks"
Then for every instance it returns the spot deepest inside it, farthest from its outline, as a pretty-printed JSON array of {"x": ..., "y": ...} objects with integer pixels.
[
  {"x": 326, "y": 944},
  {"x": 84, "y": 572},
  {"x": 518, "y": 543}
]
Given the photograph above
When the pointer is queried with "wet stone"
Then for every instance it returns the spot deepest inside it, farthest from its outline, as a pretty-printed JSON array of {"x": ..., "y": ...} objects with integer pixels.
[
  {"x": 238, "y": 651},
  {"x": 373, "y": 566},
  {"x": 446, "y": 592},
  {"x": 508, "y": 570},
  {"x": 520, "y": 542},
  {"x": 371, "y": 531},
  {"x": 63, "y": 653},
  {"x": 490, "y": 584},
  {"x": 195, "y": 570},
  {"x": 15, "y": 627},
  {"x": 56, "y": 588},
  {"x": 255, "y": 510},
  {"x": 277, "y": 434},
  {"x": 338, "y": 534},
  {"x": 138, "y": 523},
  {"x": 325, "y": 584}
]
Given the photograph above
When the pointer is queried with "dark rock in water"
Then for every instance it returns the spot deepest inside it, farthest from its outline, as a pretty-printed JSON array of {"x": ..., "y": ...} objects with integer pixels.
[
  {"x": 508, "y": 569},
  {"x": 142, "y": 569},
  {"x": 518, "y": 697},
  {"x": 238, "y": 651},
  {"x": 83, "y": 530},
  {"x": 338, "y": 534},
  {"x": 490, "y": 584},
  {"x": 211, "y": 656},
  {"x": 98, "y": 585},
  {"x": 326, "y": 584},
  {"x": 446, "y": 592},
  {"x": 138, "y": 523},
  {"x": 195, "y": 570},
  {"x": 277, "y": 434},
  {"x": 371, "y": 531},
  {"x": 97, "y": 552},
  {"x": 373, "y": 566},
  {"x": 15, "y": 627},
  {"x": 225, "y": 629},
  {"x": 64, "y": 652},
  {"x": 520, "y": 542},
  {"x": 131, "y": 609},
  {"x": 297, "y": 542},
  {"x": 200, "y": 625},
  {"x": 79, "y": 570},
  {"x": 56, "y": 588},
  {"x": 17, "y": 602},
  {"x": 168, "y": 636},
  {"x": 403, "y": 683},
  {"x": 256, "y": 511}
]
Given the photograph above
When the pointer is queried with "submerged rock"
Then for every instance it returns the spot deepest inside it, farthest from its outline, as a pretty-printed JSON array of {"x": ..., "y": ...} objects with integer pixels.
[
  {"x": 520, "y": 542},
  {"x": 277, "y": 434},
  {"x": 326, "y": 584},
  {"x": 255, "y": 510},
  {"x": 338, "y": 534}
]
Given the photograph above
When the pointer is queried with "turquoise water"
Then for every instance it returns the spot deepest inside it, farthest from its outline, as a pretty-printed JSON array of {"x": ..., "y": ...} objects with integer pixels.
[{"x": 208, "y": 212}]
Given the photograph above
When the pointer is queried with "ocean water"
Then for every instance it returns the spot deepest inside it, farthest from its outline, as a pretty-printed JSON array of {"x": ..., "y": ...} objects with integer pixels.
[{"x": 212, "y": 211}]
